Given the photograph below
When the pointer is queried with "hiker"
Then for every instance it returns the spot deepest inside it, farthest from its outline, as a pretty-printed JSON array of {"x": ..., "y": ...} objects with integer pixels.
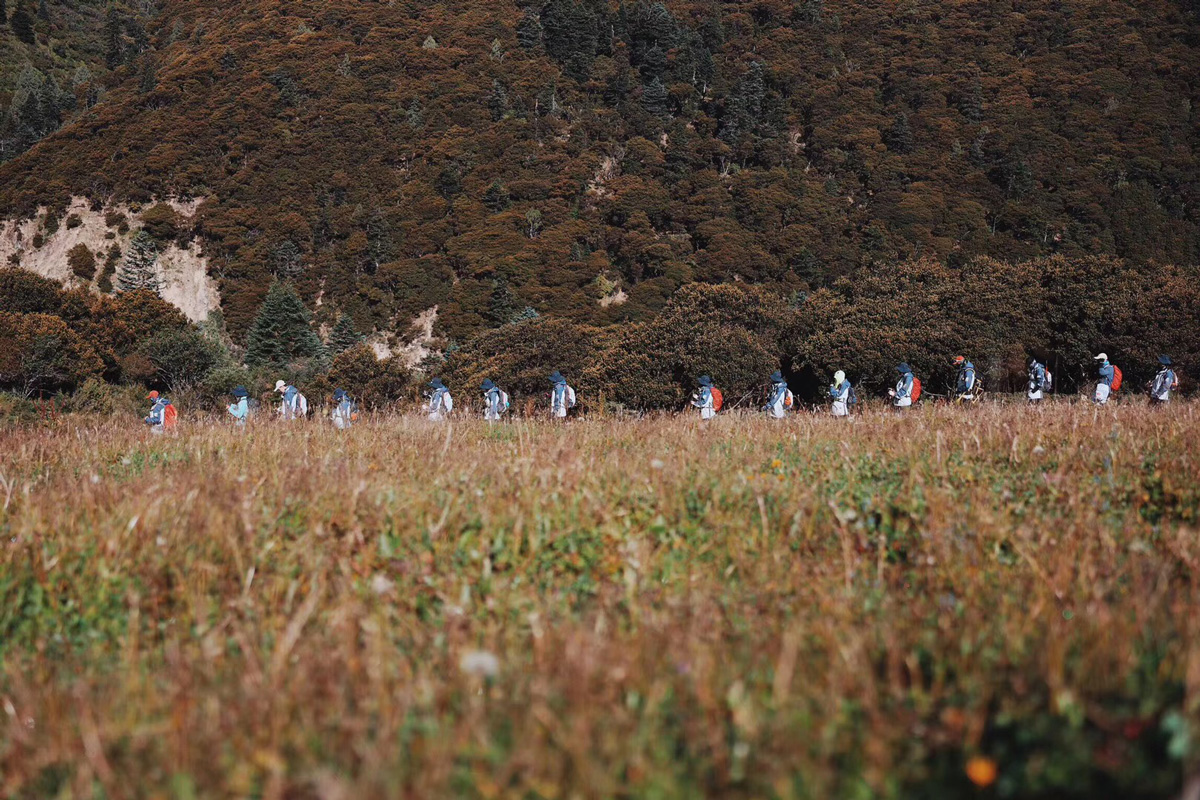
[
  {"x": 1109, "y": 382},
  {"x": 440, "y": 401},
  {"x": 907, "y": 389},
  {"x": 842, "y": 393},
  {"x": 781, "y": 397},
  {"x": 562, "y": 398},
  {"x": 162, "y": 414},
  {"x": 703, "y": 398},
  {"x": 294, "y": 405},
  {"x": 1039, "y": 380},
  {"x": 1164, "y": 382},
  {"x": 345, "y": 412},
  {"x": 965, "y": 384},
  {"x": 239, "y": 409},
  {"x": 495, "y": 401}
]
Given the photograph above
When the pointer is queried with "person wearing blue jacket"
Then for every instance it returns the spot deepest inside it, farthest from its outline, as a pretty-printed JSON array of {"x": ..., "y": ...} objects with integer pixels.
[
  {"x": 703, "y": 398},
  {"x": 344, "y": 413},
  {"x": 781, "y": 399},
  {"x": 1164, "y": 382},
  {"x": 495, "y": 401},
  {"x": 157, "y": 419},
  {"x": 1037, "y": 380},
  {"x": 964, "y": 387},
  {"x": 1107, "y": 375},
  {"x": 239, "y": 409},
  {"x": 440, "y": 401},
  {"x": 902, "y": 394},
  {"x": 562, "y": 396}
]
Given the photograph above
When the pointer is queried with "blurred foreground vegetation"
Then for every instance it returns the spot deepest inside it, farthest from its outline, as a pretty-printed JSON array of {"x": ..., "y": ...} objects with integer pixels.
[{"x": 995, "y": 602}]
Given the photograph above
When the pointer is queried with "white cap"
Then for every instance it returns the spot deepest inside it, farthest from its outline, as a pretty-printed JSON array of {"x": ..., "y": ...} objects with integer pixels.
[
  {"x": 279, "y": 385},
  {"x": 1102, "y": 357},
  {"x": 839, "y": 376}
]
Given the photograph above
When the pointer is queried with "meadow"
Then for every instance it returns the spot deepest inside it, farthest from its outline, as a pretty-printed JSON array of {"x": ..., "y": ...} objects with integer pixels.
[{"x": 986, "y": 602}]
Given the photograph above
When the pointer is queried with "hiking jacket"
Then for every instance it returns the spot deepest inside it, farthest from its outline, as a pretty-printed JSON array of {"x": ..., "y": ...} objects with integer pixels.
[
  {"x": 778, "y": 402},
  {"x": 156, "y": 411},
  {"x": 289, "y": 407},
  {"x": 343, "y": 413},
  {"x": 1037, "y": 377},
  {"x": 440, "y": 402},
  {"x": 966, "y": 378},
  {"x": 491, "y": 404},
  {"x": 562, "y": 398},
  {"x": 1164, "y": 382},
  {"x": 904, "y": 386},
  {"x": 240, "y": 410},
  {"x": 841, "y": 393},
  {"x": 1107, "y": 374}
]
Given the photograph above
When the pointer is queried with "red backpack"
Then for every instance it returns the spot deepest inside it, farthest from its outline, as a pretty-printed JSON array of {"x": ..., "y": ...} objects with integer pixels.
[
  {"x": 916, "y": 389},
  {"x": 1117, "y": 378},
  {"x": 169, "y": 416},
  {"x": 718, "y": 399}
]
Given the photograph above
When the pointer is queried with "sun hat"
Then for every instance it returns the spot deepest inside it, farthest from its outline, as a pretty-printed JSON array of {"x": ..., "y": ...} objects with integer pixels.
[
  {"x": 839, "y": 376},
  {"x": 280, "y": 386},
  {"x": 487, "y": 385},
  {"x": 557, "y": 377},
  {"x": 240, "y": 391}
]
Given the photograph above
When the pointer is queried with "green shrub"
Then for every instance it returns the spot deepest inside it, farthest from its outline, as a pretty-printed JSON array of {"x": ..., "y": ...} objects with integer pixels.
[{"x": 82, "y": 262}]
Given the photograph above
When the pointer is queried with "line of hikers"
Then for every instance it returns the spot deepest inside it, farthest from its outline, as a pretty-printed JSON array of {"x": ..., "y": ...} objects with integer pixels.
[{"x": 707, "y": 398}]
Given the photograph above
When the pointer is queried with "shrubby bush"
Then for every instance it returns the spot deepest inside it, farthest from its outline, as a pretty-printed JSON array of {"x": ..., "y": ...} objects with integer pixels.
[
  {"x": 42, "y": 354},
  {"x": 372, "y": 382}
]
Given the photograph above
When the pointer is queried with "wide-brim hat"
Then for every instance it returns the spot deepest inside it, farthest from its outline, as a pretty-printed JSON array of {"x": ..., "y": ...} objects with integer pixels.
[
  {"x": 1164, "y": 360},
  {"x": 557, "y": 377},
  {"x": 240, "y": 391},
  {"x": 339, "y": 394},
  {"x": 437, "y": 383},
  {"x": 487, "y": 385},
  {"x": 776, "y": 377},
  {"x": 903, "y": 368},
  {"x": 704, "y": 380}
]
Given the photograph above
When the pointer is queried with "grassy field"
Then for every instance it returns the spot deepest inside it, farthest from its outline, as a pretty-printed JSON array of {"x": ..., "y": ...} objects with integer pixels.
[{"x": 996, "y": 602}]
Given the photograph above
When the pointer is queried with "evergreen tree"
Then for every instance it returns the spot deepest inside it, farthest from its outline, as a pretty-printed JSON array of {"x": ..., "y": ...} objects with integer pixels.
[
  {"x": 137, "y": 270},
  {"x": 655, "y": 97},
  {"x": 529, "y": 30},
  {"x": 114, "y": 39},
  {"x": 22, "y": 23},
  {"x": 43, "y": 10},
  {"x": 148, "y": 77},
  {"x": 282, "y": 331},
  {"x": 3, "y": 13},
  {"x": 343, "y": 336},
  {"x": 899, "y": 137}
]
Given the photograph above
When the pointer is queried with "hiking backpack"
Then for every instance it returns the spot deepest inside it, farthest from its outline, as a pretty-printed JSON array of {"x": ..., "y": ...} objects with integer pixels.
[
  {"x": 169, "y": 416},
  {"x": 1117, "y": 378},
  {"x": 504, "y": 404},
  {"x": 570, "y": 397},
  {"x": 1048, "y": 383},
  {"x": 852, "y": 398},
  {"x": 718, "y": 399},
  {"x": 300, "y": 405},
  {"x": 916, "y": 389},
  {"x": 789, "y": 399}
]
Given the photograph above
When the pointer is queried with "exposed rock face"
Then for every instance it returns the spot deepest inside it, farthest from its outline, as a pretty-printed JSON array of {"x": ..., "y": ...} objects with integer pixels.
[{"x": 182, "y": 272}]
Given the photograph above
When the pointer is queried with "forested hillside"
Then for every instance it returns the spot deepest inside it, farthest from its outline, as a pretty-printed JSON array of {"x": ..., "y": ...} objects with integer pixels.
[{"x": 585, "y": 158}]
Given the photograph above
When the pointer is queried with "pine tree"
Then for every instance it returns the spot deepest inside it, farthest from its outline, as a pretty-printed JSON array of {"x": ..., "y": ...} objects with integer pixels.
[
  {"x": 137, "y": 270},
  {"x": 343, "y": 336},
  {"x": 899, "y": 137},
  {"x": 22, "y": 23},
  {"x": 114, "y": 39},
  {"x": 43, "y": 10},
  {"x": 282, "y": 331},
  {"x": 3, "y": 13},
  {"x": 655, "y": 98},
  {"x": 529, "y": 30}
]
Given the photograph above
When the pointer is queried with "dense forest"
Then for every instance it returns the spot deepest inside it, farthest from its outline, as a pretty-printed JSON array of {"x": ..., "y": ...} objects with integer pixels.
[{"x": 584, "y": 159}]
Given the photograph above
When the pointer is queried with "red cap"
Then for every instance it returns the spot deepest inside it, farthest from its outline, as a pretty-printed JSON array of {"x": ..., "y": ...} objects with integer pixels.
[
  {"x": 959, "y": 359},
  {"x": 152, "y": 396}
]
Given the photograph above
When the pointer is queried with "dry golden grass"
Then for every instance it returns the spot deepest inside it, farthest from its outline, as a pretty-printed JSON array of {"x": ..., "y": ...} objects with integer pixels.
[{"x": 809, "y": 608}]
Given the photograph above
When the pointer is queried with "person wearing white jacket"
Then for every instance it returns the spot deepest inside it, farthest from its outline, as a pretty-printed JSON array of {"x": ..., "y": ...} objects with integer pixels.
[
  {"x": 841, "y": 393},
  {"x": 440, "y": 401},
  {"x": 495, "y": 401},
  {"x": 562, "y": 398}
]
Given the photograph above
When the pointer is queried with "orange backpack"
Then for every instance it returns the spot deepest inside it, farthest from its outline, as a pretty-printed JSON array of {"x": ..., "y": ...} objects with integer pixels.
[
  {"x": 1117, "y": 378},
  {"x": 718, "y": 399},
  {"x": 916, "y": 390},
  {"x": 169, "y": 416}
]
